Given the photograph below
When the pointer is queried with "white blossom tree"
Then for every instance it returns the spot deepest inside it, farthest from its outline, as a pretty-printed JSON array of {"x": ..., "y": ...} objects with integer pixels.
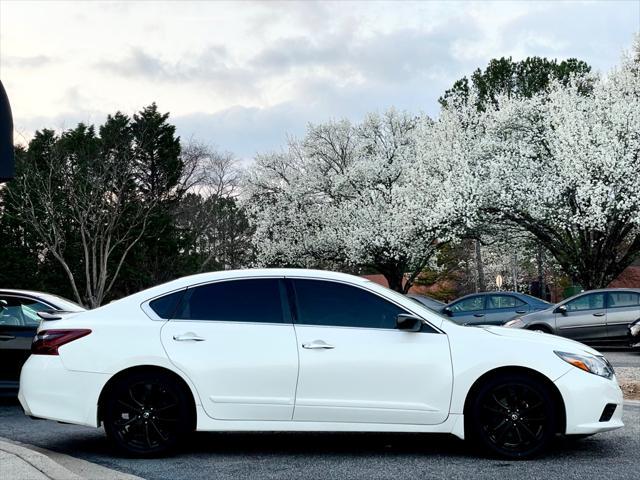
[
  {"x": 359, "y": 195},
  {"x": 565, "y": 167}
]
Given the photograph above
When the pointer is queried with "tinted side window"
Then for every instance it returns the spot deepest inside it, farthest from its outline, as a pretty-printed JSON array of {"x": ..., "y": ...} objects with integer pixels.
[
  {"x": 330, "y": 303},
  {"x": 21, "y": 312},
  {"x": 166, "y": 306},
  {"x": 623, "y": 299},
  {"x": 504, "y": 301},
  {"x": 594, "y": 301},
  {"x": 251, "y": 300},
  {"x": 469, "y": 305}
]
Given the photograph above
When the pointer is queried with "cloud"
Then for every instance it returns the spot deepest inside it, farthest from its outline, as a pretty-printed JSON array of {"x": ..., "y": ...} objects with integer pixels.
[{"x": 35, "y": 61}]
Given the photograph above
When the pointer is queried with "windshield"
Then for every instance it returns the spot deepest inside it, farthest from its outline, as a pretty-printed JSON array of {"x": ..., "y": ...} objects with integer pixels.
[
  {"x": 430, "y": 314},
  {"x": 62, "y": 303}
]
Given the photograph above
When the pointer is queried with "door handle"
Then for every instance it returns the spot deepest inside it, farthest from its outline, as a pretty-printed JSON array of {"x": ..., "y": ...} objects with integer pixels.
[
  {"x": 317, "y": 345},
  {"x": 7, "y": 337},
  {"x": 521, "y": 311},
  {"x": 599, "y": 314},
  {"x": 478, "y": 314},
  {"x": 188, "y": 337}
]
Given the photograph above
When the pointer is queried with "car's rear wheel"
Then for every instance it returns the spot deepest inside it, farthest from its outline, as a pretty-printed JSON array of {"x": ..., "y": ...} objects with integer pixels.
[
  {"x": 513, "y": 416},
  {"x": 146, "y": 414}
]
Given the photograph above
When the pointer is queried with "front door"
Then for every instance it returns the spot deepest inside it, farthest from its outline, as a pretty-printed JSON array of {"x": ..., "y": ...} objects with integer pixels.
[
  {"x": 469, "y": 310},
  {"x": 235, "y": 341},
  {"x": 356, "y": 367},
  {"x": 501, "y": 308},
  {"x": 585, "y": 319}
]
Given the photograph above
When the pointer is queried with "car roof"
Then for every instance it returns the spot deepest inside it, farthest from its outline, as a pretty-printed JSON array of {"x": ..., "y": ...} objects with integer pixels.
[
  {"x": 207, "y": 277},
  {"x": 54, "y": 301},
  {"x": 501, "y": 292},
  {"x": 599, "y": 290}
]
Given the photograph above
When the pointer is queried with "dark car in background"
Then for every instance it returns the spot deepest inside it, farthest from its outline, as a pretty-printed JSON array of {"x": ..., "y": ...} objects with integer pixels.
[
  {"x": 429, "y": 302},
  {"x": 601, "y": 317},
  {"x": 18, "y": 323},
  {"x": 492, "y": 308}
]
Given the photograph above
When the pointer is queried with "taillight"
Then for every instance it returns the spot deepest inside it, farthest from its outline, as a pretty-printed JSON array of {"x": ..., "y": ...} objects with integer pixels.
[{"x": 47, "y": 342}]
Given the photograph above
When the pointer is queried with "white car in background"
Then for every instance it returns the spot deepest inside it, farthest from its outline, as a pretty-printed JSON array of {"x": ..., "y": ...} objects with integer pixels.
[{"x": 303, "y": 350}]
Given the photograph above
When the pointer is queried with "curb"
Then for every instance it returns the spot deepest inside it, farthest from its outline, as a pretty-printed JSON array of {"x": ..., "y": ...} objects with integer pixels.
[
  {"x": 38, "y": 461},
  {"x": 58, "y": 466}
]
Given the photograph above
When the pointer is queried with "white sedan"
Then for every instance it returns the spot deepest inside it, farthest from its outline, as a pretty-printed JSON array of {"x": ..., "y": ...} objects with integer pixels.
[{"x": 303, "y": 350}]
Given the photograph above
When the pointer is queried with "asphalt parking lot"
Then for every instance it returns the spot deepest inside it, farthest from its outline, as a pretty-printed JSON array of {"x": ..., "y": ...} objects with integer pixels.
[{"x": 343, "y": 456}]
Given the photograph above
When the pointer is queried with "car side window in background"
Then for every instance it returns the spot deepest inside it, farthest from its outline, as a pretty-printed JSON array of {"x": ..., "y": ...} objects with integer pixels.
[
  {"x": 251, "y": 300},
  {"x": 471, "y": 304},
  {"x": 21, "y": 312},
  {"x": 30, "y": 309},
  {"x": 623, "y": 299},
  {"x": 166, "y": 305},
  {"x": 336, "y": 304},
  {"x": 594, "y": 301},
  {"x": 503, "y": 301},
  {"x": 10, "y": 312}
]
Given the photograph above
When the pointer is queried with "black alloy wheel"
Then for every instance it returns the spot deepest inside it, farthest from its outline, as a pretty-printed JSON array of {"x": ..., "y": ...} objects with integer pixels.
[
  {"x": 146, "y": 414},
  {"x": 514, "y": 416}
]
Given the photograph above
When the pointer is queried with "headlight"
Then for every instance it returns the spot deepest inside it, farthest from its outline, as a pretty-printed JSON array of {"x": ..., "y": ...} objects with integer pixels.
[
  {"x": 515, "y": 323},
  {"x": 589, "y": 363}
]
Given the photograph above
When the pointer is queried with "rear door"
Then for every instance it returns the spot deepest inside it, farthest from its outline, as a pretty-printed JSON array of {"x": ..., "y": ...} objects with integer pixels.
[
  {"x": 18, "y": 325},
  {"x": 501, "y": 308},
  {"x": 469, "y": 310},
  {"x": 357, "y": 367},
  {"x": 235, "y": 341},
  {"x": 623, "y": 308},
  {"x": 585, "y": 319}
]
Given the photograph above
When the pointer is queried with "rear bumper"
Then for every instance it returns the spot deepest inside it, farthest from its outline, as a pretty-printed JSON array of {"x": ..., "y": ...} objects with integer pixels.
[
  {"x": 48, "y": 390},
  {"x": 585, "y": 397}
]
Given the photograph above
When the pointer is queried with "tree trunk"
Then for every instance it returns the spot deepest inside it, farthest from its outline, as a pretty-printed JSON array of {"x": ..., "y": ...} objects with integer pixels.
[
  {"x": 480, "y": 283},
  {"x": 395, "y": 281},
  {"x": 540, "y": 262}
]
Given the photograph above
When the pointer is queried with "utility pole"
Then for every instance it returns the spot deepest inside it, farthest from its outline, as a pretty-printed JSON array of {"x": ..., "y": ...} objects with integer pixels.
[{"x": 7, "y": 160}]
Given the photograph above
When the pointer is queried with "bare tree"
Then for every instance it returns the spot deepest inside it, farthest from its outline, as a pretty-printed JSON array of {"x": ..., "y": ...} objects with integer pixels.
[
  {"x": 92, "y": 202},
  {"x": 208, "y": 211}
]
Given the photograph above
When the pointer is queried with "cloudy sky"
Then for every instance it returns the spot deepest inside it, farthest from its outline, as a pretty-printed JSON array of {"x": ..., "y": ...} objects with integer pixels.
[{"x": 244, "y": 75}]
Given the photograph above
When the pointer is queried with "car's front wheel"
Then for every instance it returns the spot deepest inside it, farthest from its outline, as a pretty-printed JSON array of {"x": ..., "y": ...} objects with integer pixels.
[
  {"x": 513, "y": 416},
  {"x": 146, "y": 414}
]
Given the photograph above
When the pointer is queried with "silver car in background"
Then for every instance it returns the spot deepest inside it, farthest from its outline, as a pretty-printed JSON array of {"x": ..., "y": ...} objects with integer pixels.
[{"x": 601, "y": 317}]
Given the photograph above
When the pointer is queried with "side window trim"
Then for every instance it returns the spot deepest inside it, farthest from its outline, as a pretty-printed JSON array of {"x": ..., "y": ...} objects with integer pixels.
[
  {"x": 285, "y": 310},
  {"x": 517, "y": 302},
  {"x": 473, "y": 297},
  {"x": 610, "y": 294},
  {"x": 586, "y": 295},
  {"x": 294, "y": 302}
]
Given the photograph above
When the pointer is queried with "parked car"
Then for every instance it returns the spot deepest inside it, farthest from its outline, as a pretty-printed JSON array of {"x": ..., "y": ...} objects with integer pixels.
[
  {"x": 429, "y": 302},
  {"x": 492, "y": 308},
  {"x": 18, "y": 324},
  {"x": 599, "y": 317},
  {"x": 304, "y": 350}
]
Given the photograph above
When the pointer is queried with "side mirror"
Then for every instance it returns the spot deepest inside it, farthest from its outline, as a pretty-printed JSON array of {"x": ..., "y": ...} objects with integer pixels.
[
  {"x": 447, "y": 311},
  {"x": 561, "y": 309},
  {"x": 408, "y": 323}
]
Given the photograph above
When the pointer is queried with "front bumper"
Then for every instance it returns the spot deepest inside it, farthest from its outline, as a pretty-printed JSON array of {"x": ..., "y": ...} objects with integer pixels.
[
  {"x": 48, "y": 390},
  {"x": 585, "y": 397}
]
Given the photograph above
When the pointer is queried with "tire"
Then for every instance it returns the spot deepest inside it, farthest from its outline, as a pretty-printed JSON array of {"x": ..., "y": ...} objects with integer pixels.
[
  {"x": 513, "y": 416},
  {"x": 146, "y": 414}
]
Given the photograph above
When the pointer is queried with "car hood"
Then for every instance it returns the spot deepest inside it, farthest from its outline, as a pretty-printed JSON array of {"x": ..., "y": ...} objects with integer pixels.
[{"x": 559, "y": 343}]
